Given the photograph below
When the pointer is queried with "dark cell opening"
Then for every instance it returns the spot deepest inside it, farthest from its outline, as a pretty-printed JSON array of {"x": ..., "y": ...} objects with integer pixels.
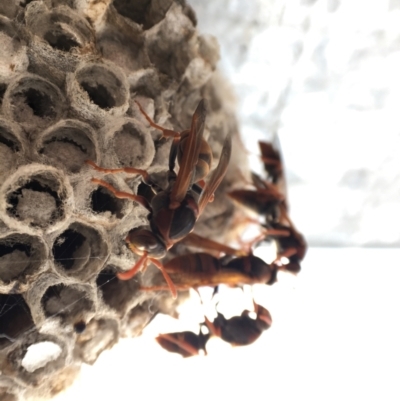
[
  {"x": 39, "y": 102},
  {"x": 15, "y": 318},
  {"x": 107, "y": 283},
  {"x": 104, "y": 201},
  {"x": 6, "y": 139},
  {"x": 25, "y": 3},
  {"x": 3, "y": 88},
  {"x": 65, "y": 247},
  {"x": 142, "y": 13},
  {"x": 105, "y": 277},
  {"x": 80, "y": 327},
  {"x": 6, "y": 249},
  {"x": 134, "y": 10},
  {"x": 146, "y": 191},
  {"x": 60, "y": 40},
  {"x": 99, "y": 95}
]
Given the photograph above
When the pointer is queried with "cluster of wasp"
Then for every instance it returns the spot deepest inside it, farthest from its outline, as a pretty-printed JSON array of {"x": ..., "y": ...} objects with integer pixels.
[{"x": 173, "y": 214}]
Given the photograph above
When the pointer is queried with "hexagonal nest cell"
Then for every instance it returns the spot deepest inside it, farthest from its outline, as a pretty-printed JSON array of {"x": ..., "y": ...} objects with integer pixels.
[
  {"x": 103, "y": 87},
  {"x": 36, "y": 356},
  {"x": 34, "y": 102},
  {"x": 100, "y": 334},
  {"x": 133, "y": 144},
  {"x": 15, "y": 319},
  {"x": 37, "y": 201},
  {"x": 71, "y": 303},
  {"x": 80, "y": 251},
  {"x": 138, "y": 318},
  {"x": 67, "y": 145},
  {"x": 102, "y": 201},
  {"x": 21, "y": 258},
  {"x": 62, "y": 28},
  {"x": 116, "y": 294},
  {"x": 60, "y": 40}
]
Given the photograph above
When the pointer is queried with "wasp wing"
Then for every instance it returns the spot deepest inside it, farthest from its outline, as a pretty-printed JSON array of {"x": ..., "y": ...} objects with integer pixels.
[
  {"x": 190, "y": 155},
  {"x": 217, "y": 175}
]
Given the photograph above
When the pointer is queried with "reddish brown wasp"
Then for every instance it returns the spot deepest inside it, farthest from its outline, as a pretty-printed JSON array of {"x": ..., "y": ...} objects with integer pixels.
[
  {"x": 293, "y": 247},
  {"x": 241, "y": 330},
  {"x": 175, "y": 210},
  {"x": 277, "y": 226},
  {"x": 238, "y": 331},
  {"x": 265, "y": 199},
  {"x": 272, "y": 161},
  {"x": 269, "y": 203},
  {"x": 201, "y": 269},
  {"x": 185, "y": 343}
]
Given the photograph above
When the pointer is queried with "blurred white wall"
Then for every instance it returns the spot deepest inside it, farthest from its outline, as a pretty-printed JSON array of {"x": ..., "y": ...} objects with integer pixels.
[{"x": 323, "y": 74}]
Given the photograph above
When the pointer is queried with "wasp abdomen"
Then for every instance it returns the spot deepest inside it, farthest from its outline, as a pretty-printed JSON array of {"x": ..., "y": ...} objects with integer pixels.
[{"x": 193, "y": 263}]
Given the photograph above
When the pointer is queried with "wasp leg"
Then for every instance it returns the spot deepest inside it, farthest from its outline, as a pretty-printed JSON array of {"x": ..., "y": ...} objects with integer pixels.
[
  {"x": 209, "y": 245},
  {"x": 128, "y": 170},
  {"x": 123, "y": 195},
  {"x": 132, "y": 272},
  {"x": 287, "y": 254},
  {"x": 167, "y": 133},
  {"x": 171, "y": 285},
  {"x": 264, "y": 234},
  {"x": 215, "y": 331}
]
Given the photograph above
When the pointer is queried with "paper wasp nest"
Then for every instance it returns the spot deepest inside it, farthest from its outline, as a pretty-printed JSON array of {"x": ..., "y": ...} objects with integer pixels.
[{"x": 69, "y": 74}]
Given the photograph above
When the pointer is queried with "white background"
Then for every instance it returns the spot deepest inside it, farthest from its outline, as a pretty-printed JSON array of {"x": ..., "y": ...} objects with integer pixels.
[{"x": 335, "y": 336}]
